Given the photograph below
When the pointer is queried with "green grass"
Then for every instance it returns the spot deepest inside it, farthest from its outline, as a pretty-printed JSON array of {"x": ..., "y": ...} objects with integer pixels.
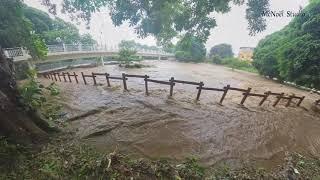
[{"x": 235, "y": 63}]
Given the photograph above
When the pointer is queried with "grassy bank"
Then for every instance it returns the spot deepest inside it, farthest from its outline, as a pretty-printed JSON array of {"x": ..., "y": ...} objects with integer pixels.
[
  {"x": 234, "y": 63},
  {"x": 67, "y": 158}
]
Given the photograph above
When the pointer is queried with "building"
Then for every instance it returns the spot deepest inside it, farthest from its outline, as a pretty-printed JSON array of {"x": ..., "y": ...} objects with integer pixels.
[{"x": 246, "y": 53}]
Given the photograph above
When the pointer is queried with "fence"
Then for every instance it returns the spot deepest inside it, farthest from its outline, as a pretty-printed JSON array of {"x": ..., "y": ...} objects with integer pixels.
[{"x": 246, "y": 93}]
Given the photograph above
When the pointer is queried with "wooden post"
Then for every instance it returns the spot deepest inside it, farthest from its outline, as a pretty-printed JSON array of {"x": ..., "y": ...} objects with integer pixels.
[
  {"x": 146, "y": 84},
  {"x": 278, "y": 99},
  {"x": 76, "y": 77},
  {"x": 55, "y": 76},
  {"x": 94, "y": 78},
  {"x": 289, "y": 100},
  {"x": 171, "y": 86},
  {"x": 245, "y": 95},
  {"x": 69, "y": 77},
  {"x": 64, "y": 77},
  {"x": 84, "y": 78},
  {"x": 51, "y": 75},
  {"x": 59, "y": 76},
  {"x": 124, "y": 81},
  {"x": 199, "y": 90},
  {"x": 300, "y": 101},
  {"x": 267, "y": 94},
  {"x": 108, "y": 81},
  {"x": 226, "y": 89}
]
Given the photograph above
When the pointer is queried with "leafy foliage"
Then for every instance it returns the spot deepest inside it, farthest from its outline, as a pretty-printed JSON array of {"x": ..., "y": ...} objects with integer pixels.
[
  {"x": 292, "y": 53},
  {"x": 126, "y": 56},
  {"x": 70, "y": 159},
  {"x": 221, "y": 50},
  {"x": 216, "y": 59},
  {"x": 16, "y": 30},
  {"x": 190, "y": 48},
  {"x": 235, "y": 63},
  {"x": 165, "y": 19},
  {"x": 36, "y": 96},
  {"x": 55, "y": 31},
  {"x": 131, "y": 44},
  {"x": 23, "y": 26}
]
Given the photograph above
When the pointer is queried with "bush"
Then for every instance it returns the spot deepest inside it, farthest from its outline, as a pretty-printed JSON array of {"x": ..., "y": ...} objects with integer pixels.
[
  {"x": 236, "y": 63},
  {"x": 126, "y": 56},
  {"x": 190, "y": 48},
  {"x": 35, "y": 96},
  {"x": 216, "y": 60},
  {"x": 183, "y": 56}
]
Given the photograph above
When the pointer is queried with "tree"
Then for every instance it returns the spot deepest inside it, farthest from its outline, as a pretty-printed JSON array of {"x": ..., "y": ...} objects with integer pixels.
[
  {"x": 87, "y": 39},
  {"x": 165, "y": 19},
  {"x": 53, "y": 29},
  {"x": 126, "y": 56},
  {"x": 131, "y": 44},
  {"x": 292, "y": 54},
  {"x": 222, "y": 50},
  {"x": 17, "y": 123},
  {"x": 127, "y": 44},
  {"x": 15, "y": 30},
  {"x": 190, "y": 48}
]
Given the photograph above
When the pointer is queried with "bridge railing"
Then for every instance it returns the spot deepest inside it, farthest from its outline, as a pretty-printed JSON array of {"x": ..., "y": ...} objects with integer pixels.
[
  {"x": 14, "y": 52},
  {"x": 61, "y": 48}
]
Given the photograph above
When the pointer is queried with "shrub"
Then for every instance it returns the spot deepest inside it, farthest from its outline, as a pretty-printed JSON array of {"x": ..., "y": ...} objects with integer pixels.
[
  {"x": 126, "y": 56},
  {"x": 35, "y": 96},
  {"x": 236, "y": 63},
  {"x": 216, "y": 60},
  {"x": 183, "y": 56}
]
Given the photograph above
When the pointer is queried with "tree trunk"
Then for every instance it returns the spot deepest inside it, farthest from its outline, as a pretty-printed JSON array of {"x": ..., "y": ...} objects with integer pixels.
[{"x": 15, "y": 123}]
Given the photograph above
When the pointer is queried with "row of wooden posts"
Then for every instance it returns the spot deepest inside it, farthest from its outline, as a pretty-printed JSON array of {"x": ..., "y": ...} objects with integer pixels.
[{"x": 56, "y": 76}]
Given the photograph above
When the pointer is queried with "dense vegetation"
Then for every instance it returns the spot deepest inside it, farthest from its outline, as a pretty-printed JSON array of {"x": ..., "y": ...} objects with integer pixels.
[
  {"x": 24, "y": 26},
  {"x": 54, "y": 31},
  {"x": 190, "y": 48},
  {"x": 65, "y": 158},
  {"x": 292, "y": 54},
  {"x": 234, "y": 63},
  {"x": 221, "y": 50},
  {"x": 166, "y": 19},
  {"x": 134, "y": 45},
  {"x": 16, "y": 30}
]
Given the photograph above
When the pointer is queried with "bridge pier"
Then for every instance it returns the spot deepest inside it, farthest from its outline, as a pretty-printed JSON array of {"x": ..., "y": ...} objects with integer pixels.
[
  {"x": 159, "y": 58},
  {"x": 101, "y": 61}
]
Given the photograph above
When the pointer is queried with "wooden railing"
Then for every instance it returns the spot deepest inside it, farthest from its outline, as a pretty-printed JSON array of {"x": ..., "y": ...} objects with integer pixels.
[{"x": 246, "y": 93}]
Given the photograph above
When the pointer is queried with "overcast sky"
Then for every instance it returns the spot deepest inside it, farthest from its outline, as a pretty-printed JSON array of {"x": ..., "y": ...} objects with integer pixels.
[{"x": 231, "y": 27}]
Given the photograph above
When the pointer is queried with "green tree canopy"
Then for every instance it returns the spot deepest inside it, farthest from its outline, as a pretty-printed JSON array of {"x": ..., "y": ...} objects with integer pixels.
[
  {"x": 190, "y": 48},
  {"x": 131, "y": 44},
  {"x": 16, "y": 30},
  {"x": 292, "y": 54},
  {"x": 221, "y": 50},
  {"x": 165, "y": 19},
  {"x": 55, "y": 30}
]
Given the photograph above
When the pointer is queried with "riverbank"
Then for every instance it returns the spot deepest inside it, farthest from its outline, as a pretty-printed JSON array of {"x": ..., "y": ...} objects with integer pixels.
[{"x": 66, "y": 157}]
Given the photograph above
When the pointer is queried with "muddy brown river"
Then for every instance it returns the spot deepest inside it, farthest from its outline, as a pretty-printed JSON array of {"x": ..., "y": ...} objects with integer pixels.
[{"x": 157, "y": 126}]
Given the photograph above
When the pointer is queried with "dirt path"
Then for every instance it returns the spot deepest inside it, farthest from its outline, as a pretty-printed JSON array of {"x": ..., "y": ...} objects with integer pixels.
[{"x": 157, "y": 126}]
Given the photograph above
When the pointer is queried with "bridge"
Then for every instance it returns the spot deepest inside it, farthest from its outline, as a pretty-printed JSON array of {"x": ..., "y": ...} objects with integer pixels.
[{"x": 71, "y": 51}]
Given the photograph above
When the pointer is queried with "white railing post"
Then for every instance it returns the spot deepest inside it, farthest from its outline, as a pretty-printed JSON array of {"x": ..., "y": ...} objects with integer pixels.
[
  {"x": 80, "y": 47},
  {"x": 64, "y": 47}
]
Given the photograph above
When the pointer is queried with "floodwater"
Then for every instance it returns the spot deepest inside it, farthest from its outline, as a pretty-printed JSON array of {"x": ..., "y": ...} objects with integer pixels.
[{"x": 157, "y": 126}]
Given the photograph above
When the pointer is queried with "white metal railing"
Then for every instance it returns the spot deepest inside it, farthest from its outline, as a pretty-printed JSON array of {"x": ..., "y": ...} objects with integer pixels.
[
  {"x": 63, "y": 48},
  {"x": 13, "y": 52}
]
